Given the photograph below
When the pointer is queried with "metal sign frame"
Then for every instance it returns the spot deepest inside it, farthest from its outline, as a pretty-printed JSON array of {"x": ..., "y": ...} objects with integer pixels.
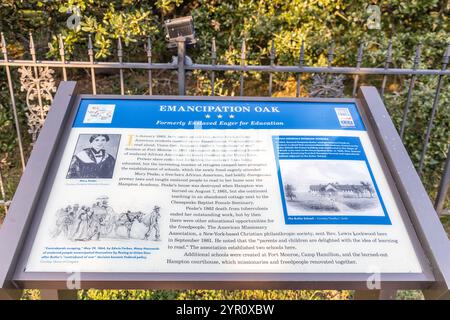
[{"x": 421, "y": 221}]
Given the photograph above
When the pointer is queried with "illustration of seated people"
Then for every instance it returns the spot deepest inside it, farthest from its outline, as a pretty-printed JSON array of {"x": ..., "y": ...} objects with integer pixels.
[
  {"x": 102, "y": 216},
  {"x": 150, "y": 221},
  {"x": 93, "y": 162},
  {"x": 81, "y": 230},
  {"x": 98, "y": 221},
  {"x": 126, "y": 220},
  {"x": 65, "y": 218}
]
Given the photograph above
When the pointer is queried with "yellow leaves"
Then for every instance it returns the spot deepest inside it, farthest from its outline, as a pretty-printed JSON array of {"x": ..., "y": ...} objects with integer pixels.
[
  {"x": 394, "y": 87},
  {"x": 322, "y": 60},
  {"x": 15, "y": 50},
  {"x": 215, "y": 24},
  {"x": 337, "y": 13},
  {"x": 289, "y": 88},
  {"x": 166, "y": 6}
]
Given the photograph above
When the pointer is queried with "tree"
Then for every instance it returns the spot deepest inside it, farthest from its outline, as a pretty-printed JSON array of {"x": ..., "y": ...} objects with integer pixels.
[
  {"x": 368, "y": 187},
  {"x": 289, "y": 190}
]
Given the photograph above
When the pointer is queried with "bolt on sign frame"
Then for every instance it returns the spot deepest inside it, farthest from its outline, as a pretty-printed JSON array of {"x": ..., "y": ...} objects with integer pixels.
[{"x": 427, "y": 236}]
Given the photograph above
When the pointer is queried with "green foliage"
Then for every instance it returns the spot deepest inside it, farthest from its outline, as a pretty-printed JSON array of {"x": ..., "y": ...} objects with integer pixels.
[
  {"x": 409, "y": 295},
  {"x": 417, "y": 122},
  {"x": 318, "y": 23},
  {"x": 212, "y": 294},
  {"x": 127, "y": 26},
  {"x": 220, "y": 294},
  {"x": 259, "y": 22},
  {"x": 288, "y": 23}
]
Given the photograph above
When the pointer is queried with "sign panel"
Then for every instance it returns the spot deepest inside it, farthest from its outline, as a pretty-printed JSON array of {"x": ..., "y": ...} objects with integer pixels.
[{"x": 220, "y": 186}]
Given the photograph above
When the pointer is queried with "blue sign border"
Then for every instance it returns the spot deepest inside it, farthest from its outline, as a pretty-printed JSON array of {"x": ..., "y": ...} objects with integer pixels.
[
  {"x": 185, "y": 114},
  {"x": 331, "y": 219},
  {"x": 208, "y": 114}
]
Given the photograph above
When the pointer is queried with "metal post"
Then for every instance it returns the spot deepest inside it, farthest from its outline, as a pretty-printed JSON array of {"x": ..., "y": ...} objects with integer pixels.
[
  {"x": 272, "y": 60},
  {"x": 358, "y": 65},
  {"x": 36, "y": 74},
  {"x": 62, "y": 55},
  {"x": 330, "y": 57},
  {"x": 300, "y": 65},
  {"x": 386, "y": 67},
  {"x": 2, "y": 192},
  {"x": 120, "y": 56},
  {"x": 411, "y": 87},
  {"x": 38, "y": 84},
  {"x": 241, "y": 77},
  {"x": 181, "y": 45},
  {"x": 91, "y": 61},
  {"x": 13, "y": 101},
  {"x": 149, "y": 60},
  {"x": 443, "y": 186},
  {"x": 213, "y": 62},
  {"x": 445, "y": 59}
]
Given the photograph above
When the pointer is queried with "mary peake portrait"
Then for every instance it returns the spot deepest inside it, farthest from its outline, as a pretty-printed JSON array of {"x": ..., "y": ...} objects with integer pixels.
[{"x": 94, "y": 156}]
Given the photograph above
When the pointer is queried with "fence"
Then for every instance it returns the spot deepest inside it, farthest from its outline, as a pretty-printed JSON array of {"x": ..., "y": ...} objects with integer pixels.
[{"x": 37, "y": 80}]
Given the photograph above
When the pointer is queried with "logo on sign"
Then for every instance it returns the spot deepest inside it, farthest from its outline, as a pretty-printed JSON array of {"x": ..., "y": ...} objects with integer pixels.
[
  {"x": 344, "y": 117},
  {"x": 99, "y": 113}
]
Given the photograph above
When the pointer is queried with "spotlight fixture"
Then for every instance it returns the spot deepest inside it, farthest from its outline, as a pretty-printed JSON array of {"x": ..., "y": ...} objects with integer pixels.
[{"x": 178, "y": 29}]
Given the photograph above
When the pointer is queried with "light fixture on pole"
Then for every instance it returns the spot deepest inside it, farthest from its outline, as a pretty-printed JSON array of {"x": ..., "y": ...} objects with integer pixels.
[
  {"x": 180, "y": 29},
  {"x": 179, "y": 34}
]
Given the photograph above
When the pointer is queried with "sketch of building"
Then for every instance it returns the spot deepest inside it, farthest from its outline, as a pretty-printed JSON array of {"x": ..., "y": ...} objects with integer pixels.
[
  {"x": 329, "y": 187},
  {"x": 331, "y": 197},
  {"x": 361, "y": 190}
]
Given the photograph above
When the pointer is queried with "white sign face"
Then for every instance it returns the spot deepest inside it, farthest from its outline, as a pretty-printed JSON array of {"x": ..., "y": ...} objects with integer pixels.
[{"x": 221, "y": 186}]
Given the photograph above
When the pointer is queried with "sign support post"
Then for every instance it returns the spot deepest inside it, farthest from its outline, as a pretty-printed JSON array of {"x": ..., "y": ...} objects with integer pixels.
[
  {"x": 375, "y": 294},
  {"x": 421, "y": 211},
  {"x": 181, "y": 57},
  {"x": 59, "y": 294},
  {"x": 10, "y": 294}
]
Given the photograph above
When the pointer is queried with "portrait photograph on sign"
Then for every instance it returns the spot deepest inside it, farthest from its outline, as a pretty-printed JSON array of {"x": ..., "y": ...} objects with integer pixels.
[{"x": 94, "y": 156}]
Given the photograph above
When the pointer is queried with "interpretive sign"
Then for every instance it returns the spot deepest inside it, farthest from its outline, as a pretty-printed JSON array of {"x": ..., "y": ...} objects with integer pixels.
[
  {"x": 220, "y": 186},
  {"x": 185, "y": 190}
]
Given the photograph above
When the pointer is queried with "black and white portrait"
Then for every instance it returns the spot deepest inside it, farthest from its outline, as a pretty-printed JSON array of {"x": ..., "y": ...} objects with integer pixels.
[
  {"x": 94, "y": 156},
  {"x": 330, "y": 187}
]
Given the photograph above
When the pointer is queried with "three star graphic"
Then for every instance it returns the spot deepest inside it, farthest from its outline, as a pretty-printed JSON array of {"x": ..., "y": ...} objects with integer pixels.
[{"x": 207, "y": 116}]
